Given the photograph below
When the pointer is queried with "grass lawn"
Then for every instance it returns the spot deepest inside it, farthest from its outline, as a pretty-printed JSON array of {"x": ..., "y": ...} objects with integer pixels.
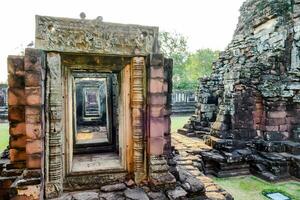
[
  {"x": 251, "y": 187},
  {"x": 177, "y": 122},
  {"x": 4, "y": 136}
]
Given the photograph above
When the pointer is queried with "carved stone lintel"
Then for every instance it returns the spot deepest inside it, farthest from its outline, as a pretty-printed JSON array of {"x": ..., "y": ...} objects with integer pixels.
[
  {"x": 137, "y": 105},
  {"x": 94, "y": 36}
]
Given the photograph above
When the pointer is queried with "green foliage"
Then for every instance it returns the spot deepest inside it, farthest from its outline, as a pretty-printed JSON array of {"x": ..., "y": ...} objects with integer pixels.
[
  {"x": 178, "y": 122},
  {"x": 4, "y": 136},
  {"x": 244, "y": 187},
  {"x": 174, "y": 45},
  {"x": 187, "y": 67}
]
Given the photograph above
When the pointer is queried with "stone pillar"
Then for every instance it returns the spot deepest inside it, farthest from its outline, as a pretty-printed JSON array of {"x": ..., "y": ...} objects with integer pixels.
[
  {"x": 54, "y": 127},
  {"x": 16, "y": 109},
  {"x": 34, "y": 97},
  {"x": 159, "y": 106},
  {"x": 138, "y": 110}
]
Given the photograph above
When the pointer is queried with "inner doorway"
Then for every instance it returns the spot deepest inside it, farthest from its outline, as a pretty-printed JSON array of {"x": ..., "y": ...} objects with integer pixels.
[
  {"x": 94, "y": 124},
  {"x": 92, "y": 107}
]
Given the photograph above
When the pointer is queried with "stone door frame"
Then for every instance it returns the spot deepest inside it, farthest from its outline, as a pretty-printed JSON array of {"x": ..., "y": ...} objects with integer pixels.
[{"x": 58, "y": 126}]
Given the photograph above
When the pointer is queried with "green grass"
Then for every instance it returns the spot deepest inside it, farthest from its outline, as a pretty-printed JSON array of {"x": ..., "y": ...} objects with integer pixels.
[
  {"x": 178, "y": 122},
  {"x": 4, "y": 136},
  {"x": 251, "y": 187}
]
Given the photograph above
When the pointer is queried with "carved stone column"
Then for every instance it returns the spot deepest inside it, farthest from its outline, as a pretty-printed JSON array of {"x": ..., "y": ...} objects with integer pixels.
[
  {"x": 54, "y": 129},
  {"x": 137, "y": 105}
]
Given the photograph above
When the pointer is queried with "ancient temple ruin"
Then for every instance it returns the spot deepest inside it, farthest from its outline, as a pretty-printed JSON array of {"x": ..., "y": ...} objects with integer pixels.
[
  {"x": 249, "y": 108},
  {"x": 88, "y": 106}
]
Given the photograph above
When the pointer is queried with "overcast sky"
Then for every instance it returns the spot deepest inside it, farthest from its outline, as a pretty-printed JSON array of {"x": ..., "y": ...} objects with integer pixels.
[{"x": 206, "y": 23}]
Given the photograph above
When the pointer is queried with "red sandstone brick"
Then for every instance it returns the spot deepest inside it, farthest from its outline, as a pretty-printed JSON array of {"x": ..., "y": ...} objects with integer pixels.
[
  {"x": 16, "y": 113},
  {"x": 33, "y": 110},
  {"x": 33, "y": 114},
  {"x": 283, "y": 128},
  {"x": 33, "y": 96},
  {"x": 156, "y": 146},
  {"x": 291, "y": 120},
  {"x": 277, "y": 114},
  {"x": 33, "y": 119},
  {"x": 17, "y": 155},
  {"x": 157, "y": 127},
  {"x": 33, "y": 131},
  {"x": 157, "y": 72},
  {"x": 16, "y": 81},
  {"x": 34, "y": 161},
  {"x": 18, "y": 142},
  {"x": 156, "y": 86},
  {"x": 17, "y": 129},
  {"x": 276, "y": 122},
  {"x": 15, "y": 65},
  {"x": 33, "y": 147},
  {"x": 158, "y": 99},
  {"x": 33, "y": 79},
  {"x": 272, "y": 128},
  {"x": 33, "y": 60},
  {"x": 157, "y": 111},
  {"x": 16, "y": 97}
]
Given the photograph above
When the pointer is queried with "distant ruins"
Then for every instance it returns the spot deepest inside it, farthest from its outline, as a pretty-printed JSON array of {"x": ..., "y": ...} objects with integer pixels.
[
  {"x": 3, "y": 103},
  {"x": 249, "y": 108}
]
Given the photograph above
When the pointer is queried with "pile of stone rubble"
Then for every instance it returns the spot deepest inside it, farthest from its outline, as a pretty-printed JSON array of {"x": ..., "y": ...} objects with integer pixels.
[{"x": 248, "y": 110}]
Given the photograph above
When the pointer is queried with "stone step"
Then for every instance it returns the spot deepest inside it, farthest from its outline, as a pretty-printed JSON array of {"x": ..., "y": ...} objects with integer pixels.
[{"x": 182, "y": 131}]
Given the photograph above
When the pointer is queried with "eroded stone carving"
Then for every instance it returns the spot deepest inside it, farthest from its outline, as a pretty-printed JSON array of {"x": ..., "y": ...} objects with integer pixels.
[
  {"x": 55, "y": 127},
  {"x": 94, "y": 36},
  {"x": 137, "y": 103}
]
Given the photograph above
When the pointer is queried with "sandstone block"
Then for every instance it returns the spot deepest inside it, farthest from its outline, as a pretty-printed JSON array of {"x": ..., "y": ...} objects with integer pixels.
[
  {"x": 277, "y": 114},
  {"x": 16, "y": 96},
  {"x": 33, "y": 96},
  {"x": 33, "y": 147},
  {"x": 33, "y": 79},
  {"x": 33, "y": 161},
  {"x": 16, "y": 81},
  {"x": 33, "y": 131},
  {"x": 272, "y": 128},
  {"x": 16, "y": 129},
  {"x": 16, "y": 113},
  {"x": 15, "y": 65},
  {"x": 156, "y": 60},
  {"x": 34, "y": 60},
  {"x": 156, "y": 86},
  {"x": 158, "y": 99},
  {"x": 156, "y": 72},
  {"x": 17, "y": 155},
  {"x": 156, "y": 146},
  {"x": 17, "y": 142}
]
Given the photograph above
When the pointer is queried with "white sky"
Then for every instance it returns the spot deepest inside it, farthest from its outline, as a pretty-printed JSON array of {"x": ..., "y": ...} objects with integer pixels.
[{"x": 206, "y": 23}]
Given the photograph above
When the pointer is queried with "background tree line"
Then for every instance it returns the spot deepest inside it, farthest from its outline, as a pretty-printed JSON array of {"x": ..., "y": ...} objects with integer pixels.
[{"x": 188, "y": 67}]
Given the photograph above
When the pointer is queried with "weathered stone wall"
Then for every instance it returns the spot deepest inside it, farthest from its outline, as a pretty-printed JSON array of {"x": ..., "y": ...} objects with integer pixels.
[
  {"x": 250, "y": 104},
  {"x": 22, "y": 174},
  {"x": 254, "y": 88}
]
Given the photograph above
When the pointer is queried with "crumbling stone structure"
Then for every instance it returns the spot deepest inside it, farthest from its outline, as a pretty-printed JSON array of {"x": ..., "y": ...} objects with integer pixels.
[
  {"x": 3, "y": 103},
  {"x": 44, "y": 159},
  {"x": 183, "y": 102},
  {"x": 249, "y": 108}
]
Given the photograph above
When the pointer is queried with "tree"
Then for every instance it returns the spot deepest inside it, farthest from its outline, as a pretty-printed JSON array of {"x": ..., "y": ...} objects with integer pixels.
[
  {"x": 187, "y": 67},
  {"x": 174, "y": 45},
  {"x": 199, "y": 64}
]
